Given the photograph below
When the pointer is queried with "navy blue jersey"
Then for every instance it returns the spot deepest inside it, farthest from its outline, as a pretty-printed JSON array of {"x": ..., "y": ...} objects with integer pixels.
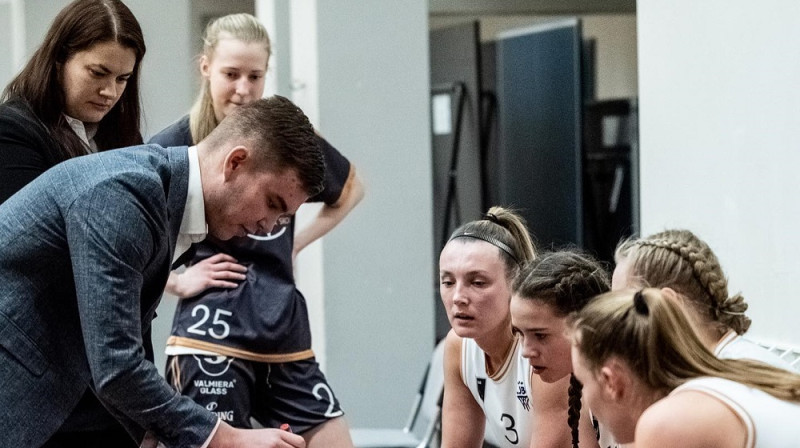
[{"x": 265, "y": 318}]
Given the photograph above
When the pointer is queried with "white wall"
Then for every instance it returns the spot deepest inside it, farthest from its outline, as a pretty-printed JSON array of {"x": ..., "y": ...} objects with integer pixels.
[
  {"x": 361, "y": 71},
  {"x": 720, "y": 141}
]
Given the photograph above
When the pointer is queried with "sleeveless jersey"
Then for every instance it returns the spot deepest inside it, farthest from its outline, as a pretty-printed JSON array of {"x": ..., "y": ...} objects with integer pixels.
[
  {"x": 505, "y": 398},
  {"x": 734, "y": 346},
  {"x": 265, "y": 318},
  {"x": 770, "y": 421}
]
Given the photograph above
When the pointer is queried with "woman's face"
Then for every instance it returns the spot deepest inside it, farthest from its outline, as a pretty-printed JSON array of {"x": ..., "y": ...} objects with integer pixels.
[
  {"x": 235, "y": 73},
  {"x": 544, "y": 340},
  {"x": 94, "y": 79},
  {"x": 473, "y": 286},
  {"x": 616, "y": 415}
]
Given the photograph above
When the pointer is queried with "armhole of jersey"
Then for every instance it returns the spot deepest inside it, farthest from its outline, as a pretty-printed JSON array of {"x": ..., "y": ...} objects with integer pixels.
[{"x": 744, "y": 417}]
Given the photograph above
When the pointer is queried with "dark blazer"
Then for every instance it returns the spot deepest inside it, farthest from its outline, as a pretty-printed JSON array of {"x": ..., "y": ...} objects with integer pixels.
[
  {"x": 26, "y": 147},
  {"x": 85, "y": 251}
]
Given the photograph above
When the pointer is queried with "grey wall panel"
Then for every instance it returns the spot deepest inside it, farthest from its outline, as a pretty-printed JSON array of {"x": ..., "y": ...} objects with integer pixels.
[{"x": 539, "y": 97}]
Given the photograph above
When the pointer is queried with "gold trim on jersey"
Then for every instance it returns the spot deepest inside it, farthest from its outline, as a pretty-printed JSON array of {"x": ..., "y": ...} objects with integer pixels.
[
  {"x": 500, "y": 373},
  {"x": 239, "y": 353}
]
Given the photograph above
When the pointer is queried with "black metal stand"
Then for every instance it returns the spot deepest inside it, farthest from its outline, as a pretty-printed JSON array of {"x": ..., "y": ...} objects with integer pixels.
[{"x": 458, "y": 90}]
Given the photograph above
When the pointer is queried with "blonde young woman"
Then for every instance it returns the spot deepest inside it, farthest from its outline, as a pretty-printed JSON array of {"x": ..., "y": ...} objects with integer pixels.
[
  {"x": 241, "y": 340},
  {"x": 649, "y": 379},
  {"x": 680, "y": 261},
  {"x": 487, "y": 380}
]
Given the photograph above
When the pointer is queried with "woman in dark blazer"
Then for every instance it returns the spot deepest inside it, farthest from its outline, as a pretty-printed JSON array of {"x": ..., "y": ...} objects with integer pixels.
[{"x": 77, "y": 94}]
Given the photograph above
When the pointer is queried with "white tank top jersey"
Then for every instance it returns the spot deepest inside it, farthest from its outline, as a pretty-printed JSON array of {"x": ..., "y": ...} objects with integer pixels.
[
  {"x": 504, "y": 397},
  {"x": 734, "y": 346},
  {"x": 770, "y": 421}
]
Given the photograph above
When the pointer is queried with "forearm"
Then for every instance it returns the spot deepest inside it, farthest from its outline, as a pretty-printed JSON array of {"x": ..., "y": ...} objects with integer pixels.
[
  {"x": 147, "y": 399},
  {"x": 173, "y": 285},
  {"x": 331, "y": 215}
]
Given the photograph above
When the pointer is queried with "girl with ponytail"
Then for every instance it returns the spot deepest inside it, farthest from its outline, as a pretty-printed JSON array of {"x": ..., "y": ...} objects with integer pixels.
[
  {"x": 682, "y": 262},
  {"x": 267, "y": 336},
  {"x": 489, "y": 390},
  {"x": 649, "y": 378},
  {"x": 546, "y": 291}
]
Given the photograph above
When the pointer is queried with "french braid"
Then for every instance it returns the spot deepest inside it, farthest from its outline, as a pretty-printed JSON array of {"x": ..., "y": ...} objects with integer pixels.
[{"x": 680, "y": 260}]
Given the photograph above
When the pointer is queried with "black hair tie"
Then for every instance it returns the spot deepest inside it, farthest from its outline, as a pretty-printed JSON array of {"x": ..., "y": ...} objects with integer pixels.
[
  {"x": 639, "y": 304},
  {"x": 491, "y": 217}
]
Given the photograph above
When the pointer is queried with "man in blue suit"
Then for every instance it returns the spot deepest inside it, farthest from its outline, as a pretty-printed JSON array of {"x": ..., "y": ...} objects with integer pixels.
[{"x": 85, "y": 252}]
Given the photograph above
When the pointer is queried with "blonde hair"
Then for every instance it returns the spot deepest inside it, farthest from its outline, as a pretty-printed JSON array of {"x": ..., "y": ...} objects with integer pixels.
[
  {"x": 506, "y": 230},
  {"x": 678, "y": 259},
  {"x": 652, "y": 335},
  {"x": 243, "y": 27}
]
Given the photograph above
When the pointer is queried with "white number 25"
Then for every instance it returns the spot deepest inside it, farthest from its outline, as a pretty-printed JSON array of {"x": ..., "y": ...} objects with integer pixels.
[{"x": 217, "y": 321}]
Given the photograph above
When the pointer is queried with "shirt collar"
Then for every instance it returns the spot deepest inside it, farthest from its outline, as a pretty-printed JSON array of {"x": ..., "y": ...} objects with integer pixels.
[
  {"x": 193, "y": 224},
  {"x": 84, "y": 131}
]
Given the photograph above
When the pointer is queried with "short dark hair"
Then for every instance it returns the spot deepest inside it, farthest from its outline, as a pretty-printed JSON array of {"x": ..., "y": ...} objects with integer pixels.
[
  {"x": 79, "y": 26},
  {"x": 280, "y": 135}
]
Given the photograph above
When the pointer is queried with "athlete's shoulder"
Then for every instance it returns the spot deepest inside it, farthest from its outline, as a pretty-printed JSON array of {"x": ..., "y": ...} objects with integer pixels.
[{"x": 176, "y": 134}]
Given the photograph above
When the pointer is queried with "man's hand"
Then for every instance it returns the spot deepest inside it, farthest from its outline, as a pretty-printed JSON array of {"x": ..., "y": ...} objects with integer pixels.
[{"x": 217, "y": 271}]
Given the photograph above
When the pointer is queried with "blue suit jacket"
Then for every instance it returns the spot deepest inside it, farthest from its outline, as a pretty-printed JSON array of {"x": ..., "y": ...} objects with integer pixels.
[{"x": 85, "y": 252}]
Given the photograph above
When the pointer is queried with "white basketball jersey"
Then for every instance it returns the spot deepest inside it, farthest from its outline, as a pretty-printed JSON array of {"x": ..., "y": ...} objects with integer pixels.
[
  {"x": 733, "y": 346},
  {"x": 504, "y": 398},
  {"x": 770, "y": 421}
]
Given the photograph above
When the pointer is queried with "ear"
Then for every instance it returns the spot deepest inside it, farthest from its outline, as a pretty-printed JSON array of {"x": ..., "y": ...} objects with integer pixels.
[
  {"x": 235, "y": 162},
  {"x": 205, "y": 66},
  {"x": 613, "y": 380},
  {"x": 671, "y": 294}
]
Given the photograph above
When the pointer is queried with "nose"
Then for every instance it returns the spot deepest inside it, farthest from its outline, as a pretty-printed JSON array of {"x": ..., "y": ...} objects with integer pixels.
[
  {"x": 459, "y": 294},
  {"x": 267, "y": 224},
  {"x": 109, "y": 89},
  {"x": 529, "y": 350},
  {"x": 243, "y": 86}
]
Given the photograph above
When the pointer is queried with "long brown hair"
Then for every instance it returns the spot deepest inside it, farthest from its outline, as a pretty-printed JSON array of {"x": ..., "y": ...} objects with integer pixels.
[
  {"x": 652, "y": 336},
  {"x": 566, "y": 281},
  {"x": 79, "y": 26}
]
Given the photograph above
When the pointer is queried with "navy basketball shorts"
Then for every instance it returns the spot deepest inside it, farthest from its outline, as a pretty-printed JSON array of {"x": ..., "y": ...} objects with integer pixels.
[{"x": 296, "y": 392}]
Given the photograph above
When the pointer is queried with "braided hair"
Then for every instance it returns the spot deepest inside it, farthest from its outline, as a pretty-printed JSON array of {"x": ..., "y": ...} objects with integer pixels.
[
  {"x": 574, "y": 411},
  {"x": 566, "y": 281},
  {"x": 678, "y": 259}
]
